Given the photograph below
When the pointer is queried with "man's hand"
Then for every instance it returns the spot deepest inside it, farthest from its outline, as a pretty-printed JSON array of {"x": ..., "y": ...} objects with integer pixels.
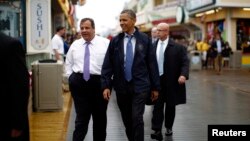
[
  {"x": 182, "y": 79},
  {"x": 154, "y": 95},
  {"x": 106, "y": 94}
]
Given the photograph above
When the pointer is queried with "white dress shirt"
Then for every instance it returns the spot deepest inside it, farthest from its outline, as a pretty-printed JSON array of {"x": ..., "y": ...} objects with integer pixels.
[
  {"x": 75, "y": 56},
  {"x": 165, "y": 43},
  {"x": 219, "y": 48}
]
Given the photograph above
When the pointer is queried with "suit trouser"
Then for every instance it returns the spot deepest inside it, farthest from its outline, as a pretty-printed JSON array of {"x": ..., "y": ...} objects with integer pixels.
[
  {"x": 158, "y": 112},
  {"x": 88, "y": 100},
  {"x": 132, "y": 106},
  {"x": 218, "y": 62},
  {"x": 158, "y": 116}
]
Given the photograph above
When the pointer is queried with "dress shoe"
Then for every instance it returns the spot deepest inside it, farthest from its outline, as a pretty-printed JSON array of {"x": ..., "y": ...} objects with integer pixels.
[
  {"x": 169, "y": 132},
  {"x": 157, "y": 135}
]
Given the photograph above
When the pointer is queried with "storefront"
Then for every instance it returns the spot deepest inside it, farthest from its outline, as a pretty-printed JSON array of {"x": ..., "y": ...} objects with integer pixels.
[
  {"x": 215, "y": 27},
  {"x": 12, "y": 18},
  {"x": 43, "y": 16},
  {"x": 168, "y": 13},
  {"x": 243, "y": 35},
  {"x": 229, "y": 18},
  {"x": 243, "y": 40},
  {"x": 142, "y": 22}
]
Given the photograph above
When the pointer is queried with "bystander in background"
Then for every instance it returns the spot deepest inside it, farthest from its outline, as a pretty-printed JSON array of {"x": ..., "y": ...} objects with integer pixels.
[{"x": 57, "y": 43}]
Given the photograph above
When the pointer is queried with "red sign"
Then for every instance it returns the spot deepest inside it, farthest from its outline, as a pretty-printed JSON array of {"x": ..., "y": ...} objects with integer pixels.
[{"x": 168, "y": 21}]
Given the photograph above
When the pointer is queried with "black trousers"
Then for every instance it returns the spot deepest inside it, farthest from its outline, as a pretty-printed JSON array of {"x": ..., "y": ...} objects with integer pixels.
[
  {"x": 88, "y": 101},
  {"x": 132, "y": 107},
  {"x": 158, "y": 112}
]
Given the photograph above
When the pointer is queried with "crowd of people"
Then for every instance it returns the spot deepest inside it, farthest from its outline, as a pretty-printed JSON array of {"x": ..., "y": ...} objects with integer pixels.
[{"x": 214, "y": 52}]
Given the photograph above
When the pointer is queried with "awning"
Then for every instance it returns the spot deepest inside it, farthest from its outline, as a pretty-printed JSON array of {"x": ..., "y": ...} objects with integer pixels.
[{"x": 163, "y": 15}]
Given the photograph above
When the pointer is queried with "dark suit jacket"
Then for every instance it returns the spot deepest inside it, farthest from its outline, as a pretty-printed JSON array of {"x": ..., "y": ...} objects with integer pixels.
[
  {"x": 145, "y": 73},
  {"x": 214, "y": 46},
  {"x": 14, "y": 88},
  {"x": 176, "y": 63}
]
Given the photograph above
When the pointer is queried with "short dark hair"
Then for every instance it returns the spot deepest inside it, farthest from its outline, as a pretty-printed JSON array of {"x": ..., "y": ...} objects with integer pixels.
[
  {"x": 88, "y": 19},
  {"x": 59, "y": 28},
  {"x": 130, "y": 12}
]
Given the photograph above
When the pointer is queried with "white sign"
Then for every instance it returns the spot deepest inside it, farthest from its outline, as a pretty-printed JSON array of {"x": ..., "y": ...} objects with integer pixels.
[{"x": 39, "y": 24}]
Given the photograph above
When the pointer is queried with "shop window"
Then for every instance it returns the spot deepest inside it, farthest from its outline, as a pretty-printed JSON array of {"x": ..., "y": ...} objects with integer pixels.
[
  {"x": 10, "y": 18},
  {"x": 215, "y": 27},
  {"x": 243, "y": 35}
]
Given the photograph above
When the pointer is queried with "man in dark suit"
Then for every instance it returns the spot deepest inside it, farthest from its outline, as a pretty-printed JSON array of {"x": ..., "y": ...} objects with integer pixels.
[
  {"x": 173, "y": 66},
  {"x": 134, "y": 80},
  {"x": 14, "y": 95}
]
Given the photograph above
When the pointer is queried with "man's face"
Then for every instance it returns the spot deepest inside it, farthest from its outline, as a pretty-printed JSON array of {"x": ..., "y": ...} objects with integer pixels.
[
  {"x": 154, "y": 33},
  {"x": 87, "y": 31},
  {"x": 217, "y": 37},
  {"x": 127, "y": 23},
  {"x": 163, "y": 32}
]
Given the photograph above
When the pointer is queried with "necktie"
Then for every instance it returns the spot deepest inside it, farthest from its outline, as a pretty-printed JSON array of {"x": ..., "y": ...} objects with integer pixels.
[
  {"x": 161, "y": 58},
  {"x": 86, "y": 74},
  {"x": 129, "y": 59}
]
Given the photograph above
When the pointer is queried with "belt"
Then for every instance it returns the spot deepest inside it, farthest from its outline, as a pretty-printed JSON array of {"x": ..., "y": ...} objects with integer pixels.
[{"x": 91, "y": 75}]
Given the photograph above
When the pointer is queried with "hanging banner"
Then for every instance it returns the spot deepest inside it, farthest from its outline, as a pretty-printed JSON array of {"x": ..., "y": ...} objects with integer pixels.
[{"x": 39, "y": 25}]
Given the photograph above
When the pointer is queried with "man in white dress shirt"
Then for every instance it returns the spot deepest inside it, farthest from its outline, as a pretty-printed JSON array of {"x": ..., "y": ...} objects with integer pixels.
[
  {"x": 83, "y": 66},
  {"x": 57, "y": 43}
]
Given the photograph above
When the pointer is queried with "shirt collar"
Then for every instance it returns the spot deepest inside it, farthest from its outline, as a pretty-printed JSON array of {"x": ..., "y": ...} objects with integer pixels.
[
  {"x": 165, "y": 41},
  {"x": 90, "y": 42},
  {"x": 127, "y": 35}
]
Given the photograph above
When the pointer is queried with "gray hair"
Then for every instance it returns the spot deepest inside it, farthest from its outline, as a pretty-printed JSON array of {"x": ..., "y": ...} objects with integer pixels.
[{"x": 130, "y": 12}]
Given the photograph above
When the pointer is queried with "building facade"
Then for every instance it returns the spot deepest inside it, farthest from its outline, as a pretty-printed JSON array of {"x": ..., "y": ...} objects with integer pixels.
[
  {"x": 34, "y": 23},
  {"x": 230, "y": 18},
  {"x": 200, "y": 19}
]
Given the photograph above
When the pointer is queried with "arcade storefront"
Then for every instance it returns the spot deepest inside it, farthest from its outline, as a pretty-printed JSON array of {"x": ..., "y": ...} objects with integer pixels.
[
  {"x": 12, "y": 20},
  {"x": 243, "y": 35}
]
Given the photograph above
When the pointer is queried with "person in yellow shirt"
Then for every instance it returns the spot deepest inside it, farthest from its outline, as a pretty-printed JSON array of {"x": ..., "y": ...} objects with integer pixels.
[{"x": 204, "y": 48}]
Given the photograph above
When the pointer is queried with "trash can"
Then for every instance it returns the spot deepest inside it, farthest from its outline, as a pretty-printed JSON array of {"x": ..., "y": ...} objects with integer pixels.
[
  {"x": 235, "y": 59},
  {"x": 195, "y": 60},
  {"x": 47, "y": 85}
]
